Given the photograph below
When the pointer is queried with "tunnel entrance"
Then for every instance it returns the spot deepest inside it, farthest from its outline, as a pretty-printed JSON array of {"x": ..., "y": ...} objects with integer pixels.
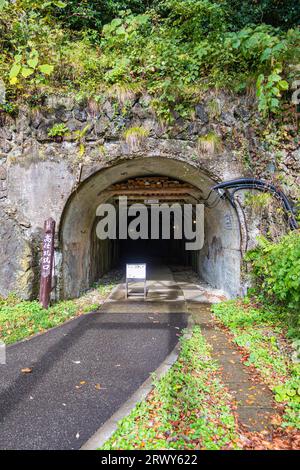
[
  {"x": 156, "y": 181},
  {"x": 165, "y": 246}
]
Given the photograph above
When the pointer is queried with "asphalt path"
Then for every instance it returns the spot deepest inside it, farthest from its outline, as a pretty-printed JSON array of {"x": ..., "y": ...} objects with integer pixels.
[{"x": 81, "y": 373}]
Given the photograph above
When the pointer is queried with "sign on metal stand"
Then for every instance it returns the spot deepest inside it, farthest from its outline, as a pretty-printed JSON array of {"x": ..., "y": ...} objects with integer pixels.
[
  {"x": 47, "y": 262},
  {"x": 135, "y": 273}
]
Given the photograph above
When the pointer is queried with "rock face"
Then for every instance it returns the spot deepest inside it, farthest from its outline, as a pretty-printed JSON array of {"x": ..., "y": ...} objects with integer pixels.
[
  {"x": 16, "y": 274},
  {"x": 42, "y": 176}
]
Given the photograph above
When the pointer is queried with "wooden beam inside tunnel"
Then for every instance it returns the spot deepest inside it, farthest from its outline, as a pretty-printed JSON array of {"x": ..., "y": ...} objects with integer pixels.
[
  {"x": 154, "y": 187},
  {"x": 184, "y": 199}
]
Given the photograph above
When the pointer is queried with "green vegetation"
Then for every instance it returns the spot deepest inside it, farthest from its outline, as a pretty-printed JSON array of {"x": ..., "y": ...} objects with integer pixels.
[
  {"x": 260, "y": 331},
  {"x": 276, "y": 273},
  {"x": 21, "y": 319},
  {"x": 279, "y": 13},
  {"x": 258, "y": 200},
  {"x": 18, "y": 319},
  {"x": 134, "y": 136},
  {"x": 261, "y": 324},
  {"x": 210, "y": 143},
  {"x": 79, "y": 137},
  {"x": 173, "y": 49},
  {"x": 93, "y": 14},
  {"x": 175, "y": 52},
  {"x": 189, "y": 407},
  {"x": 58, "y": 130}
]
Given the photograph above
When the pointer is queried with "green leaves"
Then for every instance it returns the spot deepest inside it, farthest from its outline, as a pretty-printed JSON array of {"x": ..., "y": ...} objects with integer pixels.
[
  {"x": 283, "y": 85},
  {"x": 33, "y": 62},
  {"x": 28, "y": 67},
  {"x": 26, "y": 72},
  {"x": 289, "y": 391},
  {"x": 60, "y": 4},
  {"x": 3, "y": 4},
  {"x": 189, "y": 49},
  {"x": 14, "y": 72},
  {"x": 188, "y": 405},
  {"x": 172, "y": 52},
  {"x": 56, "y": 3},
  {"x": 58, "y": 130},
  {"x": 46, "y": 69},
  {"x": 268, "y": 91},
  {"x": 276, "y": 270},
  {"x": 259, "y": 331}
]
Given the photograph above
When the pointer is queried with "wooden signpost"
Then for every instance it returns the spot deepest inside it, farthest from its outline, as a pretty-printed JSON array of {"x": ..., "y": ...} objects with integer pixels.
[
  {"x": 135, "y": 273},
  {"x": 47, "y": 262}
]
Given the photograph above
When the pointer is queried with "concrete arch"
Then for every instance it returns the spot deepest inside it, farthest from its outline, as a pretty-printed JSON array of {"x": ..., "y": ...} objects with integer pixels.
[{"x": 218, "y": 261}]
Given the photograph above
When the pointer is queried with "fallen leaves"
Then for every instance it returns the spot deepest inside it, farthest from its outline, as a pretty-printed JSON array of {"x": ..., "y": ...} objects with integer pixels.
[
  {"x": 26, "y": 370},
  {"x": 81, "y": 383},
  {"x": 276, "y": 420},
  {"x": 279, "y": 439},
  {"x": 190, "y": 409}
]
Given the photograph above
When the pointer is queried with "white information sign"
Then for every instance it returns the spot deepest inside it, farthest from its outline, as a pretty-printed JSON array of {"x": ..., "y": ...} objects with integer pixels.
[{"x": 136, "y": 272}]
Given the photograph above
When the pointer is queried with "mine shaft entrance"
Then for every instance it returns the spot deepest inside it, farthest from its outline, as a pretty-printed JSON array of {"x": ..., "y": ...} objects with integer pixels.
[
  {"x": 157, "y": 244},
  {"x": 85, "y": 258}
]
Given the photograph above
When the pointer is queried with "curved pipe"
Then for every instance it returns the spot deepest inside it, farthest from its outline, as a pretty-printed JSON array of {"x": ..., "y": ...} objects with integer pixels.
[{"x": 254, "y": 183}]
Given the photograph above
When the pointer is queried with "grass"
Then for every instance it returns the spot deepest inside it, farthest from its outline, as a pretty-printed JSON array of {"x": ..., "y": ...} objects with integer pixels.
[
  {"x": 261, "y": 332},
  {"x": 22, "y": 319},
  {"x": 209, "y": 144},
  {"x": 134, "y": 136},
  {"x": 258, "y": 200},
  {"x": 189, "y": 408}
]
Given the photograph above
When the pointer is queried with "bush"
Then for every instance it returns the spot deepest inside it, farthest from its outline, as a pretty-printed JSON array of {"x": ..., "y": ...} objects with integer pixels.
[
  {"x": 276, "y": 270},
  {"x": 190, "y": 49},
  {"x": 279, "y": 13},
  {"x": 93, "y": 14},
  {"x": 58, "y": 130},
  {"x": 173, "y": 49}
]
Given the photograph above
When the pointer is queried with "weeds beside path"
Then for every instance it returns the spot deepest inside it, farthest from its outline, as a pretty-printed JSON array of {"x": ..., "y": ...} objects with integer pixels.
[
  {"x": 191, "y": 407},
  {"x": 22, "y": 319},
  {"x": 260, "y": 334}
]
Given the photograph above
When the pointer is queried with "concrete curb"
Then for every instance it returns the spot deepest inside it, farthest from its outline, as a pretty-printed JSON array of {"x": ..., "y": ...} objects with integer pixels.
[{"x": 110, "y": 426}]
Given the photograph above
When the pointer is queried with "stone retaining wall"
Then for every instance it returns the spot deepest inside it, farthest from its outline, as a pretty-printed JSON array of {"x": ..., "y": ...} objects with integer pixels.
[{"x": 39, "y": 174}]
